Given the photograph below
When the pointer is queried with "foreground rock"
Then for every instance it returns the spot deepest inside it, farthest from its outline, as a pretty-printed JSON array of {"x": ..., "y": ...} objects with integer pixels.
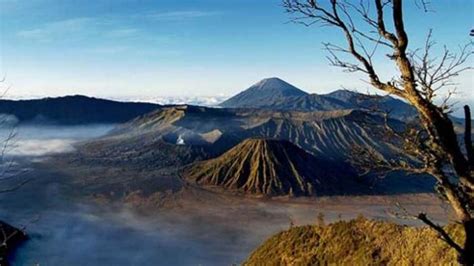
[
  {"x": 269, "y": 167},
  {"x": 10, "y": 238},
  {"x": 357, "y": 242}
]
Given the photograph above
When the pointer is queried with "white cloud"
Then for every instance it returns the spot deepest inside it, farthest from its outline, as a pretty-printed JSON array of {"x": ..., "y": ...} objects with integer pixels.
[
  {"x": 180, "y": 15},
  {"x": 35, "y": 147},
  {"x": 109, "y": 50},
  {"x": 110, "y": 26},
  {"x": 200, "y": 100},
  {"x": 60, "y": 29},
  {"x": 32, "y": 34},
  {"x": 122, "y": 33}
]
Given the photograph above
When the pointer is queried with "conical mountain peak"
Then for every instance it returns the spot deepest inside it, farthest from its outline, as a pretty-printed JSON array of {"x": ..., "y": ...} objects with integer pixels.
[
  {"x": 265, "y": 167},
  {"x": 264, "y": 93},
  {"x": 275, "y": 82}
]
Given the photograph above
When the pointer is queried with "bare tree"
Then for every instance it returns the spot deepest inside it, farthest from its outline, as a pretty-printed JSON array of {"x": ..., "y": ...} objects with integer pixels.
[
  {"x": 7, "y": 138},
  {"x": 419, "y": 78},
  {"x": 9, "y": 182}
]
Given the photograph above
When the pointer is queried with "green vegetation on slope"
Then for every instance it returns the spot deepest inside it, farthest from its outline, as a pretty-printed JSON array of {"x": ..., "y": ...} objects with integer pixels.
[{"x": 357, "y": 242}]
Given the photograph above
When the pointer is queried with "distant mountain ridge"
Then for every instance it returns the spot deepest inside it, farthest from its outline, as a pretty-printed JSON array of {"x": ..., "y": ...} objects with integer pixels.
[
  {"x": 77, "y": 109},
  {"x": 394, "y": 107},
  {"x": 276, "y": 94}
]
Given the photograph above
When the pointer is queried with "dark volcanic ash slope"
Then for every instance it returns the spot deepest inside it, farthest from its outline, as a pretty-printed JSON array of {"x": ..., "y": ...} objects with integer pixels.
[
  {"x": 151, "y": 143},
  {"x": 268, "y": 167},
  {"x": 330, "y": 135},
  {"x": 209, "y": 132}
]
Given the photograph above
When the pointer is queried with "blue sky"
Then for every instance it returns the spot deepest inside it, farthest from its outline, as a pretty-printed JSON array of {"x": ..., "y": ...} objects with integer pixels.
[{"x": 162, "y": 47}]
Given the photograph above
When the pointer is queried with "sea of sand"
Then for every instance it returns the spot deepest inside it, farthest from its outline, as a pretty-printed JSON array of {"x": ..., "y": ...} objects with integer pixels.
[{"x": 191, "y": 226}]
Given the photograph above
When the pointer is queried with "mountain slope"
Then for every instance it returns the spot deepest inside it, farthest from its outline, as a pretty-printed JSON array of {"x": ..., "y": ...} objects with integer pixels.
[
  {"x": 276, "y": 94},
  {"x": 76, "y": 109},
  {"x": 357, "y": 242},
  {"x": 175, "y": 136},
  {"x": 307, "y": 103},
  {"x": 263, "y": 93},
  {"x": 266, "y": 167},
  {"x": 344, "y": 100},
  {"x": 330, "y": 135},
  {"x": 395, "y": 107}
]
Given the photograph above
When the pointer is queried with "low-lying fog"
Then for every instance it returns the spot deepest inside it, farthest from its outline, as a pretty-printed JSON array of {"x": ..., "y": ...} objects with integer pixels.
[
  {"x": 66, "y": 232},
  {"x": 37, "y": 140}
]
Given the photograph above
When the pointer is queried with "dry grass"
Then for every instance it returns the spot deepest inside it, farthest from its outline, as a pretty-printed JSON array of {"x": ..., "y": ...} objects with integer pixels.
[{"x": 356, "y": 242}]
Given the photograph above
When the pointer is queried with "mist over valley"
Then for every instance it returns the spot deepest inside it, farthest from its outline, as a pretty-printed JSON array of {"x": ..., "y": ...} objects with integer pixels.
[
  {"x": 289, "y": 132},
  {"x": 147, "y": 191}
]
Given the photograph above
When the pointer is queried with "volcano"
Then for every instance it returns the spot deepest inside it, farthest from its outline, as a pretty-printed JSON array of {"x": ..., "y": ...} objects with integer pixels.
[
  {"x": 267, "y": 167},
  {"x": 263, "y": 93}
]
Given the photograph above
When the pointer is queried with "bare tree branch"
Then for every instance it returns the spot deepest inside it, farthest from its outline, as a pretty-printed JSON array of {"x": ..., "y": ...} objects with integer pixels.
[
  {"x": 16, "y": 186},
  {"x": 443, "y": 235},
  {"x": 441, "y": 232},
  {"x": 433, "y": 142}
]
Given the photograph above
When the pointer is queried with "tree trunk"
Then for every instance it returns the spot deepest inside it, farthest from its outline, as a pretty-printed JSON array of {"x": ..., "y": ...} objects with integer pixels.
[
  {"x": 467, "y": 136},
  {"x": 467, "y": 257},
  {"x": 446, "y": 138}
]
